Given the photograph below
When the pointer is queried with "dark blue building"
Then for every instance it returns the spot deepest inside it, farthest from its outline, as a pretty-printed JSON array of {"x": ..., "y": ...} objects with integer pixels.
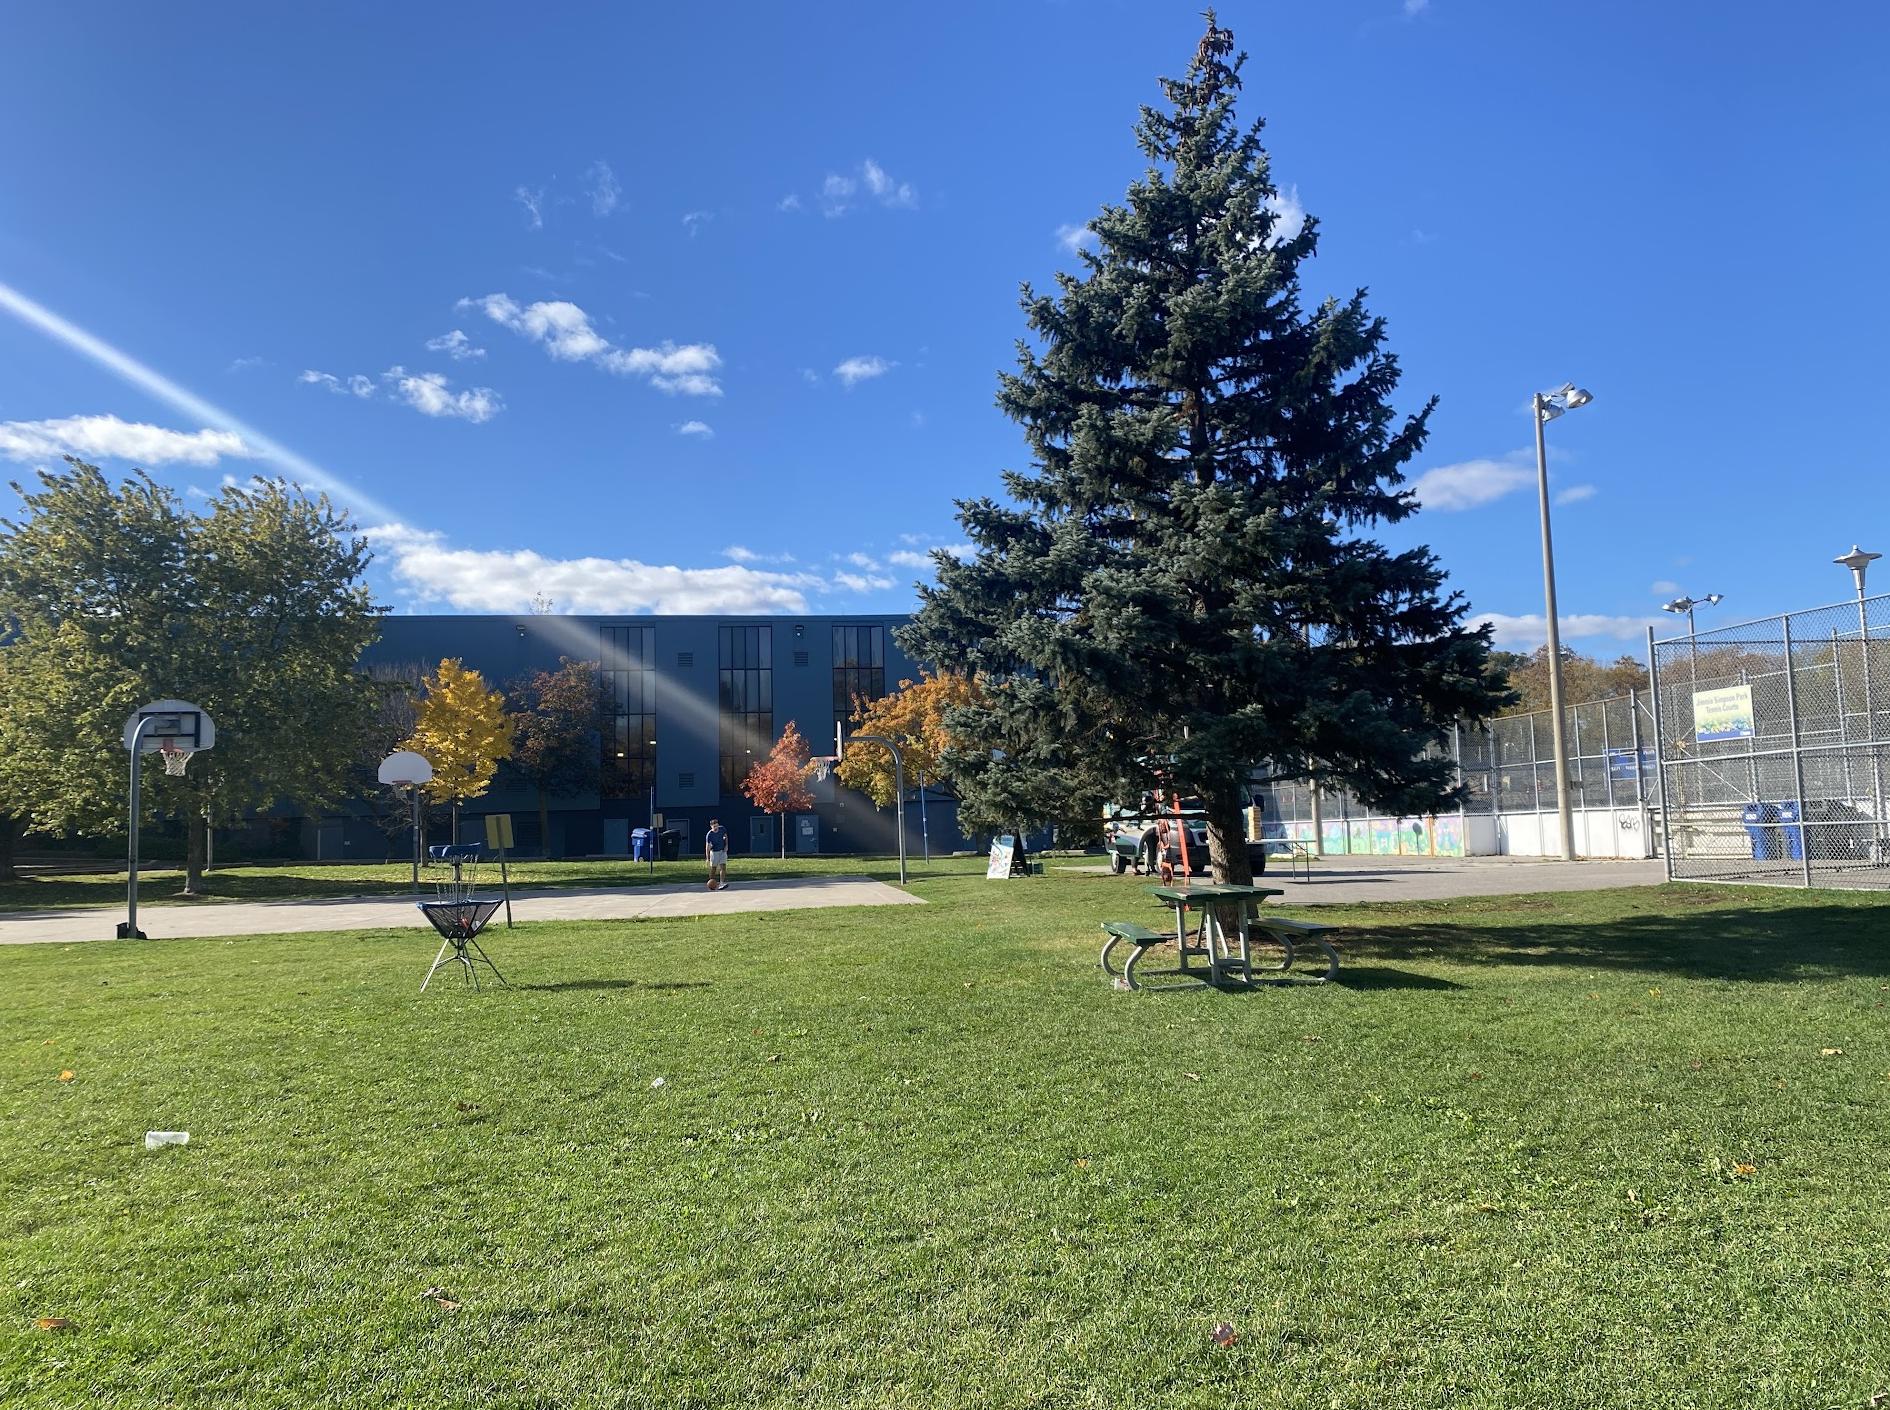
[{"x": 692, "y": 703}]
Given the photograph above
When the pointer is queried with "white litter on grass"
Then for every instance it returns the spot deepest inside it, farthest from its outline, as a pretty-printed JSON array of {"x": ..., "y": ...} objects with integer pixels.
[
  {"x": 657, "y": 1083},
  {"x": 157, "y": 1140}
]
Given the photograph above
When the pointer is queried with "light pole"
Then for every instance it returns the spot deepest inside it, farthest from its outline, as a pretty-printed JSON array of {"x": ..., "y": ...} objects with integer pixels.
[
  {"x": 655, "y": 840},
  {"x": 1858, "y": 561},
  {"x": 1686, "y": 605},
  {"x": 1546, "y": 406}
]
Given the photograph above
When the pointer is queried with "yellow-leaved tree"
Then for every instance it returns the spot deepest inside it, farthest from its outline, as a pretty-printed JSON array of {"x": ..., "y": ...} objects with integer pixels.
[
  {"x": 913, "y": 717},
  {"x": 460, "y": 728}
]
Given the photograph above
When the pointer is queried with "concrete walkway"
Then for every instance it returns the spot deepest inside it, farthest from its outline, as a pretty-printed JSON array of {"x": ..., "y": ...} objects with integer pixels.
[
  {"x": 1345, "y": 881},
  {"x": 174, "y": 922}
]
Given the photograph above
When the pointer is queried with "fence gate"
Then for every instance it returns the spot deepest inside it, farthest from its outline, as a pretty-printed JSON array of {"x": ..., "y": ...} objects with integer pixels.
[{"x": 1772, "y": 738}]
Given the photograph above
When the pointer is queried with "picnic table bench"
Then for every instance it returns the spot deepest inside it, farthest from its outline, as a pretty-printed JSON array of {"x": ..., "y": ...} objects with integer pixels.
[{"x": 1229, "y": 954}]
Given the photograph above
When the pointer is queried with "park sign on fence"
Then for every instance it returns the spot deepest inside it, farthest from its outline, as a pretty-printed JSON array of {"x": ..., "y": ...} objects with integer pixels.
[{"x": 1723, "y": 714}]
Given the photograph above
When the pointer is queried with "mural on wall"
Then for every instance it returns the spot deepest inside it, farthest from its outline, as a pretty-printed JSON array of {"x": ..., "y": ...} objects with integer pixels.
[
  {"x": 1360, "y": 837},
  {"x": 1447, "y": 836},
  {"x": 1335, "y": 836},
  {"x": 1384, "y": 837},
  {"x": 1413, "y": 841}
]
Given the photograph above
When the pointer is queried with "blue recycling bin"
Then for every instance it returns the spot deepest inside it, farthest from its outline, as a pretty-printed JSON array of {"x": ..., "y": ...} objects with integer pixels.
[
  {"x": 642, "y": 845},
  {"x": 1759, "y": 820},
  {"x": 1791, "y": 829}
]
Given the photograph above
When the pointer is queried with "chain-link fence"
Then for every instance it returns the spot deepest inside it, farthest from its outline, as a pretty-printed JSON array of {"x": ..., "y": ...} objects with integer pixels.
[
  {"x": 1508, "y": 772},
  {"x": 1773, "y": 737}
]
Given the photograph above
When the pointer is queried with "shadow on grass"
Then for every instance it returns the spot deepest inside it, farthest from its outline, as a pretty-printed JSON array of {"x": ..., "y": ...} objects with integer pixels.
[
  {"x": 1790, "y": 942},
  {"x": 1379, "y": 976},
  {"x": 618, "y": 984}
]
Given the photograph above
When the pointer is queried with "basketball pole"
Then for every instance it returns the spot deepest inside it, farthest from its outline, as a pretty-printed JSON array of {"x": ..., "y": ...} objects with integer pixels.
[
  {"x": 416, "y": 837},
  {"x": 130, "y": 929}
]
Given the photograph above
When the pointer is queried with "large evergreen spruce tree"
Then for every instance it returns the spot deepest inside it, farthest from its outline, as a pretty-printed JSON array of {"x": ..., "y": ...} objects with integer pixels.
[{"x": 1183, "y": 587}]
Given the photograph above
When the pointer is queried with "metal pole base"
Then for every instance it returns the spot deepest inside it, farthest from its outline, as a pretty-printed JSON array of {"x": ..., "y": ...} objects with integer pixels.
[
  {"x": 459, "y": 947},
  {"x": 127, "y": 931}
]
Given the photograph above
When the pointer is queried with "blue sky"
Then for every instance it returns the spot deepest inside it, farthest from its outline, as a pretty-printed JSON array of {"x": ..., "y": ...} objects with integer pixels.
[{"x": 700, "y": 308}]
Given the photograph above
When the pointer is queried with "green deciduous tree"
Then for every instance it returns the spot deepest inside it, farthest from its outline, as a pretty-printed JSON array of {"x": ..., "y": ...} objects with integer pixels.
[
  {"x": 460, "y": 728},
  {"x": 117, "y": 595},
  {"x": 1182, "y": 583},
  {"x": 556, "y": 734}
]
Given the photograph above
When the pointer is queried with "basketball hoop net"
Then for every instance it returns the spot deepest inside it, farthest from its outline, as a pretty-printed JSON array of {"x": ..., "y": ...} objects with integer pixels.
[
  {"x": 823, "y": 767},
  {"x": 174, "y": 757}
]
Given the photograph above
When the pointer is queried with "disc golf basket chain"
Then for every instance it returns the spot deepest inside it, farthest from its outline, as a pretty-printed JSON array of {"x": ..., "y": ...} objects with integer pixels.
[{"x": 458, "y": 912}]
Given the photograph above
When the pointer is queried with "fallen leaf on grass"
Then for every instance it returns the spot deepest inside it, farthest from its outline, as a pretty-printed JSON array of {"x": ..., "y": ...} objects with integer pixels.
[
  {"x": 1310, "y": 1038},
  {"x": 1476, "y": 1076},
  {"x": 53, "y": 1324},
  {"x": 1831, "y": 1052},
  {"x": 774, "y": 1057},
  {"x": 1740, "y": 1170},
  {"x": 439, "y": 1295},
  {"x": 49, "y": 1042},
  {"x": 1082, "y": 1165},
  {"x": 67, "y": 1075},
  {"x": 1192, "y": 1076},
  {"x": 658, "y": 1083},
  {"x": 1225, "y": 1335}
]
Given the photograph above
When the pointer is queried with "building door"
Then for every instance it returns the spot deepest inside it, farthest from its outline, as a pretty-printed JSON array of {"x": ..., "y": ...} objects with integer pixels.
[
  {"x": 806, "y": 832},
  {"x": 762, "y": 833},
  {"x": 616, "y": 837}
]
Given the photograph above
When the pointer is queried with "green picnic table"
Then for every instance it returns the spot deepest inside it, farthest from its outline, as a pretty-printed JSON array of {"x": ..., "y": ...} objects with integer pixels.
[{"x": 1227, "y": 949}]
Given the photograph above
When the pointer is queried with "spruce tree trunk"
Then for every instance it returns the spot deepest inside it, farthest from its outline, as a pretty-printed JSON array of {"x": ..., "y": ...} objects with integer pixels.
[
  {"x": 456, "y": 822},
  {"x": 1227, "y": 838},
  {"x": 196, "y": 839},
  {"x": 12, "y": 829}
]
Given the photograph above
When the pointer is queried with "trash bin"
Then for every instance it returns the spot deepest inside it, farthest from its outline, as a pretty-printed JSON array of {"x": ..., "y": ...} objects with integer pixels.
[
  {"x": 1791, "y": 830},
  {"x": 669, "y": 842},
  {"x": 1759, "y": 819},
  {"x": 640, "y": 844}
]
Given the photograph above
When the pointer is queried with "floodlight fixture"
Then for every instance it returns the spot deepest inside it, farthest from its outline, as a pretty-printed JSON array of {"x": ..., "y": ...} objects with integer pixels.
[{"x": 1858, "y": 561}]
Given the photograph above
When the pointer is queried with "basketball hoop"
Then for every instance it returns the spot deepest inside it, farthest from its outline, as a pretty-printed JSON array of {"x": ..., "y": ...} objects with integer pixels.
[{"x": 175, "y": 757}]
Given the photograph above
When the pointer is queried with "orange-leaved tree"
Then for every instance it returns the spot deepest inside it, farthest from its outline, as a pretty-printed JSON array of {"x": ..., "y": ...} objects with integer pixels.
[
  {"x": 913, "y": 717},
  {"x": 778, "y": 783}
]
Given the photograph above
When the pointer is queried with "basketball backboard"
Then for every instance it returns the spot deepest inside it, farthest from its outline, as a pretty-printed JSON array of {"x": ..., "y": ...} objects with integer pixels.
[
  {"x": 404, "y": 767},
  {"x": 175, "y": 724}
]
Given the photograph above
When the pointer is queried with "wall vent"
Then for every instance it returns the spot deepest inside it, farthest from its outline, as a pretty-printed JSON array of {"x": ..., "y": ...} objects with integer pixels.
[
  {"x": 685, "y": 658},
  {"x": 800, "y": 658},
  {"x": 685, "y": 780}
]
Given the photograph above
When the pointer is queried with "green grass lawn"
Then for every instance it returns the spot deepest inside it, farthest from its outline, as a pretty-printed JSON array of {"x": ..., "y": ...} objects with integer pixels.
[
  {"x": 1610, "y": 1149},
  {"x": 290, "y": 881}
]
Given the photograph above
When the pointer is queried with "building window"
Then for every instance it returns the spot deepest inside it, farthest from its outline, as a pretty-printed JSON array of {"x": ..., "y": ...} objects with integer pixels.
[
  {"x": 745, "y": 700},
  {"x": 859, "y": 669},
  {"x": 627, "y": 669}
]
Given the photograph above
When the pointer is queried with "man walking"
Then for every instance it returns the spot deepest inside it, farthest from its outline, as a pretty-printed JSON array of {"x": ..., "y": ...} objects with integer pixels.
[{"x": 715, "y": 845}]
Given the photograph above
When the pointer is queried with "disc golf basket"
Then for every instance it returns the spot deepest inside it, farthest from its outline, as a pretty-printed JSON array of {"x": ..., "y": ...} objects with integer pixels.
[{"x": 457, "y": 912}]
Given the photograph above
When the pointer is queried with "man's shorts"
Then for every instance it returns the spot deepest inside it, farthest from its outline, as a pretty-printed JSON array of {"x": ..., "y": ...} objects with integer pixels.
[{"x": 718, "y": 859}]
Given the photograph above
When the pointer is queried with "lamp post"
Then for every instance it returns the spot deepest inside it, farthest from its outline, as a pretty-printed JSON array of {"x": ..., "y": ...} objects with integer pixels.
[
  {"x": 1858, "y": 561},
  {"x": 1546, "y": 406},
  {"x": 654, "y": 840},
  {"x": 1686, "y": 605}
]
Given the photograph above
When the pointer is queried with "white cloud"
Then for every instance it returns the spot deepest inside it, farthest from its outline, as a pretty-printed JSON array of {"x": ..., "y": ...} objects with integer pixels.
[
  {"x": 695, "y": 220},
  {"x": 1471, "y": 483},
  {"x": 960, "y": 551},
  {"x": 1527, "y": 631},
  {"x": 1289, "y": 215},
  {"x": 859, "y": 369},
  {"x": 533, "y": 202},
  {"x": 789, "y": 202},
  {"x": 1663, "y": 588},
  {"x": 243, "y": 364},
  {"x": 909, "y": 558},
  {"x": 861, "y": 560},
  {"x": 501, "y": 580},
  {"x": 809, "y": 376},
  {"x": 566, "y": 333},
  {"x": 1075, "y": 237},
  {"x": 696, "y": 428},
  {"x": 455, "y": 345},
  {"x": 107, "y": 437},
  {"x": 605, "y": 193},
  {"x": 837, "y": 192},
  {"x": 1414, "y": 8},
  {"x": 747, "y": 555},
  {"x": 428, "y": 393},
  {"x": 856, "y": 582},
  {"x": 1575, "y": 494},
  {"x": 897, "y": 194}
]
